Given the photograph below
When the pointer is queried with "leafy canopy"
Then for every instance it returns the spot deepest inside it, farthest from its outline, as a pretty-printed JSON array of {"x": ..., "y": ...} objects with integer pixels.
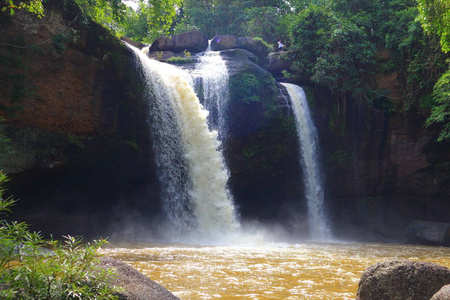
[{"x": 33, "y": 6}]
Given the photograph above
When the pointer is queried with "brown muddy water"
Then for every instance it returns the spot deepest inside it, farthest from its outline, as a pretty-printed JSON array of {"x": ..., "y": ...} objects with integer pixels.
[{"x": 265, "y": 271}]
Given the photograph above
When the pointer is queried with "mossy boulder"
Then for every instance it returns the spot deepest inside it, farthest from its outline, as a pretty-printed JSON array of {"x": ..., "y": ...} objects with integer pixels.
[
  {"x": 193, "y": 41},
  {"x": 255, "y": 45}
]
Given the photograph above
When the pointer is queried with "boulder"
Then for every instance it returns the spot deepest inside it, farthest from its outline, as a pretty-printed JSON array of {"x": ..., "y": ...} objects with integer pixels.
[
  {"x": 425, "y": 232},
  {"x": 224, "y": 42},
  {"x": 254, "y": 45},
  {"x": 136, "y": 286},
  {"x": 193, "y": 41},
  {"x": 138, "y": 45},
  {"x": 402, "y": 280},
  {"x": 276, "y": 63},
  {"x": 442, "y": 294}
]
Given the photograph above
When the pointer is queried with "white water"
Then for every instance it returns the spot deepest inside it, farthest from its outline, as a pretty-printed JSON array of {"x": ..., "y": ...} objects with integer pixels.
[
  {"x": 309, "y": 156},
  {"x": 211, "y": 74},
  {"x": 200, "y": 205}
]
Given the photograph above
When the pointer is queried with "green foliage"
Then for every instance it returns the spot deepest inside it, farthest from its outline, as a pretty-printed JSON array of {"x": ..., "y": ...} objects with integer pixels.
[
  {"x": 243, "y": 18},
  {"x": 34, "y": 268},
  {"x": 332, "y": 52},
  {"x": 32, "y": 6},
  {"x": 441, "y": 111},
  {"x": 435, "y": 18},
  {"x": 109, "y": 13},
  {"x": 153, "y": 18},
  {"x": 179, "y": 60},
  {"x": 245, "y": 88}
]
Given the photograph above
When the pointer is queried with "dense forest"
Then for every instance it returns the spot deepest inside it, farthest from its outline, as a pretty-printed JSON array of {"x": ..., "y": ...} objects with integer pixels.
[{"x": 332, "y": 43}]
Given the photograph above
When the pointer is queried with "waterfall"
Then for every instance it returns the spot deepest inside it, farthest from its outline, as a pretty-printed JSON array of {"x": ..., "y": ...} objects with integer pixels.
[
  {"x": 309, "y": 158},
  {"x": 191, "y": 167},
  {"x": 211, "y": 77}
]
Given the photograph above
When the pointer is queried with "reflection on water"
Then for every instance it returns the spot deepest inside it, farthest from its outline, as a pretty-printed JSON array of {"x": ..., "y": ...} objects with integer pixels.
[{"x": 270, "y": 271}]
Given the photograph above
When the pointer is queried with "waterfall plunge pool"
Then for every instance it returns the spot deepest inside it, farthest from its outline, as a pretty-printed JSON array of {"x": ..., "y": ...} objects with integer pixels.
[{"x": 265, "y": 271}]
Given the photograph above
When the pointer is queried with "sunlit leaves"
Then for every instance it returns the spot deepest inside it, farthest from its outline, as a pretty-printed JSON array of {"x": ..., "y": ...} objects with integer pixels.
[
  {"x": 435, "y": 18},
  {"x": 32, "y": 6},
  {"x": 440, "y": 113}
]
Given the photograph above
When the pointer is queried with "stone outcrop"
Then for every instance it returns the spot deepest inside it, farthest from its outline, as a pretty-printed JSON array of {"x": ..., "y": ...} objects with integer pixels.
[
  {"x": 402, "y": 280},
  {"x": 442, "y": 294},
  {"x": 260, "y": 146},
  {"x": 138, "y": 45},
  {"x": 225, "y": 42},
  {"x": 135, "y": 285},
  {"x": 276, "y": 63},
  {"x": 434, "y": 233},
  {"x": 193, "y": 41}
]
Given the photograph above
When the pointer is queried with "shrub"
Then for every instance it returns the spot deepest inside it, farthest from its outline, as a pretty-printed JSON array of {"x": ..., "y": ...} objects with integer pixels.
[
  {"x": 32, "y": 267},
  {"x": 180, "y": 60}
]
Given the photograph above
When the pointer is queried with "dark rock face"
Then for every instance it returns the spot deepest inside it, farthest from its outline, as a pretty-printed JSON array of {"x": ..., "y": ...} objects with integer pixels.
[
  {"x": 194, "y": 41},
  {"x": 402, "y": 280},
  {"x": 73, "y": 108},
  {"x": 383, "y": 169},
  {"x": 442, "y": 294},
  {"x": 225, "y": 42},
  {"x": 136, "y": 286},
  {"x": 261, "y": 146}
]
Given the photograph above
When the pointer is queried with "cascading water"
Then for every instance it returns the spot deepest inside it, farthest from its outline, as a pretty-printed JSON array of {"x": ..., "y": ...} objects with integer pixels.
[
  {"x": 192, "y": 171},
  {"x": 307, "y": 136},
  {"x": 211, "y": 77}
]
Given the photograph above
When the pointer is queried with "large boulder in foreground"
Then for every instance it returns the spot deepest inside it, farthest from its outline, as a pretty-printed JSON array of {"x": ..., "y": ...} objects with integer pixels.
[
  {"x": 193, "y": 41},
  {"x": 254, "y": 45},
  {"x": 136, "y": 286},
  {"x": 442, "y": 294},
  {"x": 402, "y": 280}
]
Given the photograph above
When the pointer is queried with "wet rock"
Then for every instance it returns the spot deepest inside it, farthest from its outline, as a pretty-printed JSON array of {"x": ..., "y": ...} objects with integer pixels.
[
  {"x": 193, "y": 41},
  {"x": 136, "y": 286},
  {"x": 442, "y": 294},
  {"x": 425, "y": 232},
  {"x": 138, "y": 45},
  {"x": 225, "y": 42},
  {"x": 276, "y": 62},
  {"x": 402, "y": 280}
]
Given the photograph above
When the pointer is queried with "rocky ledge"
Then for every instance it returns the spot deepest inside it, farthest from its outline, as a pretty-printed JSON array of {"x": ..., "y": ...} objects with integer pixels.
[{"x": 134, "y": 284}]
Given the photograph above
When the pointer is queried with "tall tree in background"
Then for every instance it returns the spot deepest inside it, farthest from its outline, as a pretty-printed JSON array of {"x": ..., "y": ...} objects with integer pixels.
[{"x": 435, "y": 18}]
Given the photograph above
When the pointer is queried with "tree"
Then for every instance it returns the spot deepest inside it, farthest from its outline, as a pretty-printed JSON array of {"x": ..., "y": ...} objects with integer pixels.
[
  {"x": 332, "y": 52},
  {"x": 435, "y": 18},
  {"x": 33, "y": 6}
]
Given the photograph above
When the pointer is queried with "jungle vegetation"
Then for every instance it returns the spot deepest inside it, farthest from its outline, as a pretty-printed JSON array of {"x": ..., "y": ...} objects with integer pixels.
[{"x": 338, "y": 44}]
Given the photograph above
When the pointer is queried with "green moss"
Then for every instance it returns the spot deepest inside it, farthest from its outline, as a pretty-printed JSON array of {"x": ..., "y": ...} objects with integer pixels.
[
  {"x": 244, "y": 87},
  {"x": 180, "y": 60}
]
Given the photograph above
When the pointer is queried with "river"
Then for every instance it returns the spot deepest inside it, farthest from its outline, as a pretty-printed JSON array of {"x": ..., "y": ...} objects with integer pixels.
[{"x": 267, "y": 270}]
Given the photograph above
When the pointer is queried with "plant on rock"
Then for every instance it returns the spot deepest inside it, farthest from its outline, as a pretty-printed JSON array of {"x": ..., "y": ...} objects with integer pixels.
[{"x": 32, "y": 267}]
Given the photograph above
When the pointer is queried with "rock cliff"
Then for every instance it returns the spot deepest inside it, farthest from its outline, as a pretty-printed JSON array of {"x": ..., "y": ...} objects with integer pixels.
[{"x": 72, "y": 103}]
